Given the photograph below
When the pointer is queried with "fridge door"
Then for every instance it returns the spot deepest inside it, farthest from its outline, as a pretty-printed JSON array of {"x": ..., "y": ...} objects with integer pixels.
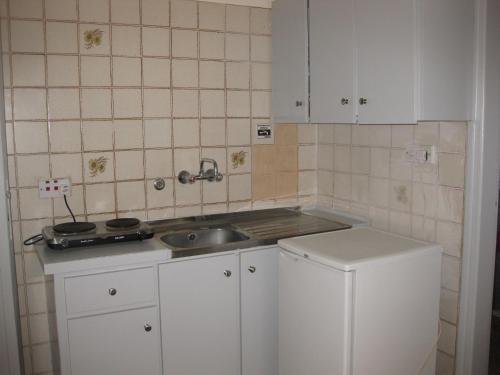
[{"x": 315, "y": 304}]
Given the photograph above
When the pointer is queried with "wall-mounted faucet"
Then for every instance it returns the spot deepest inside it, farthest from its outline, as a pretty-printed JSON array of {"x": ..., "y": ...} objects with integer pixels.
[{"x": 211, "y": 174}]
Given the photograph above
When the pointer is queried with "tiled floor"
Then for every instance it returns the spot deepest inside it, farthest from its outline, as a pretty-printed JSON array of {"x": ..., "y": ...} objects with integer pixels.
[{"x": 495, "y": 346}]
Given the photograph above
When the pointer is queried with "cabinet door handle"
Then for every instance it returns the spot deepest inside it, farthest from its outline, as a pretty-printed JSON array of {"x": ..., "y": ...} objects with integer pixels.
[
  {"x": 147, "y": 327},
  {"x": 112, "y": 291},
  {"x": 227, "y": 273},
  {"x": 344, "y": 101},
  {"x": 298, "y": 103},
  {"x": 363, "y": 101},
  {"x": 252, "y": 269}
]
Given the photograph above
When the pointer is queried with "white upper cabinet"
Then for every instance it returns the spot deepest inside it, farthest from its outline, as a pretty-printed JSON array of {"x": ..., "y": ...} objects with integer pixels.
[
  {"x": 445, "y": 35},
  {"x": 373, "y": 61},
  {"x": 331, "y": 60},
  {"x": 386, "y": 61},
  {"x": 290, "y": 95}
]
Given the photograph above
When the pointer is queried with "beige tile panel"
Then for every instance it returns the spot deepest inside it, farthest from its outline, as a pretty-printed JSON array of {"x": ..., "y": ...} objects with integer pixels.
[
  {"x": 125, "y": 11},
  {"x": 211, "y": 16},
  {"x": 127, "y": 71},
  {"x": 28, "y": 70},
  {"x": 62, "y": 70},
  {"x": 27, "y": 36},
  {"x": 156, "y": 41},
  {"x": 184, "y": 13},
  {"x": 94, "y": 10},
  {"x": 60, "y": 9},
  {"x": 95, "y": 71},
  {"x": 260, "y": 21},
  {"x": 237, "y": 19},
  {"x": 452, "y": 137},
  {"x": 211, "y": 45},
  {"x": 155, "y": 12}
]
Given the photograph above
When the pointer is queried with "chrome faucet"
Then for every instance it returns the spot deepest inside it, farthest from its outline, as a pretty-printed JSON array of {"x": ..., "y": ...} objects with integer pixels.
[{"x": 210, "y": 175}]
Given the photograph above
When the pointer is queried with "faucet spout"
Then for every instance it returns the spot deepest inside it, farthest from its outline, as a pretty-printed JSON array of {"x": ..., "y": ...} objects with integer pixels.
[{"x": 211, "y": 174}]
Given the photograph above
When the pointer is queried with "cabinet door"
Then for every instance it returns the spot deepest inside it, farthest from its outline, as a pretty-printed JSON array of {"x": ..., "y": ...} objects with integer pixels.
[
  {"x": 385, "y": 35},
  {"x": 122, "y": 343},
  {"x": 290, "y": 88},
  {"x": 446, "y": 33},
  {"x": 331, "y": 51},
  {"x": 259, "y": 312},
  {"x": 314, "y": 318},
  {"x": 200, "y": 316}
]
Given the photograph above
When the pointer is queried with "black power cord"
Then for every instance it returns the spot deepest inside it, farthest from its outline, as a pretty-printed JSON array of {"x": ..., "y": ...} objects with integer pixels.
[
  {"x": 38, "y": 237},
  {"x": 69, "y": 209}
]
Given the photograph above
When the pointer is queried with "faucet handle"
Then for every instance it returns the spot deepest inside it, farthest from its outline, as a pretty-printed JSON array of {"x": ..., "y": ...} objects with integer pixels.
[{"x": 186, "y": 177}]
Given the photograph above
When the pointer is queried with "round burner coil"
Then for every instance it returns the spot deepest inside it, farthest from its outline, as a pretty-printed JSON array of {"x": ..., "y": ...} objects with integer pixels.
[
  {"x": 74, "y": 228},
  {"x": 122, "y": 223}
]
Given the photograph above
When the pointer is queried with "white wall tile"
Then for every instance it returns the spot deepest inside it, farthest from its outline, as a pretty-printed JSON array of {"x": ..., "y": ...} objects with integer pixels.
[
  {"x": 211, "y": 16},
  {"x": 155, "y": 12},
  {"x": 155, "y": 41},
  {"x": 184, "y": 13}
]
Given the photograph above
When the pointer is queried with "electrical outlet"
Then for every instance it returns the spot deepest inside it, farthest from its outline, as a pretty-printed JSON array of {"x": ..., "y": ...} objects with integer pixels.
[
  {"x": 420, "y": 154},
  {"x": 54, "y": 187}
]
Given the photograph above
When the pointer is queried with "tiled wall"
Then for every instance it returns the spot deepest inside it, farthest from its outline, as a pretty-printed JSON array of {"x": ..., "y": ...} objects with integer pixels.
[
  {"x": 362, "y": 169},
  {"x": 114, "y": 93}
]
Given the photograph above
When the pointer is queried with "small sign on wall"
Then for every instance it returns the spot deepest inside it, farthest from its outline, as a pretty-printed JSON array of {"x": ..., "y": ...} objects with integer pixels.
[{"x": 264, "y": 131}]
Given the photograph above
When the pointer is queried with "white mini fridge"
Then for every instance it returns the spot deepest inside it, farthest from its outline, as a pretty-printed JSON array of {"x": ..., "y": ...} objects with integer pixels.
[{"x": 358, "y": 302}]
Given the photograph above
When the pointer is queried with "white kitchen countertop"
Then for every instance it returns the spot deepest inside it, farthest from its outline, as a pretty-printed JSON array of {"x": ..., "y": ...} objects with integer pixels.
[
  {"x": 350, "y": 249},
  {"x": 96, "y": 257}
]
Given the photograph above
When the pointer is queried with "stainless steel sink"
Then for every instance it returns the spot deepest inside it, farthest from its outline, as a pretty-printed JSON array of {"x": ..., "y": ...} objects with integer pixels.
[{"x": 201, "y": 238}]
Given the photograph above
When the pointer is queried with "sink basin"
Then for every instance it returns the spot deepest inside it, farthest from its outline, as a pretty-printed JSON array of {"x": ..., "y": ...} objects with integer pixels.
[{"x": 201, "y": 238}]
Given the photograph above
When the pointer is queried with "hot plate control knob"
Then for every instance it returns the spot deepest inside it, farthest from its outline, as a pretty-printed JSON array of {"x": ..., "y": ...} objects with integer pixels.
[
  {"x": 64, "y": 242},
  {"x": 140, "y": 235}
]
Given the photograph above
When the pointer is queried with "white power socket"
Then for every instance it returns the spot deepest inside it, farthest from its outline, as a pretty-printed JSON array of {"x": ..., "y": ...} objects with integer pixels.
[
  {"x": 54, "y": 187},
  {"x": 420, "y": 154}
]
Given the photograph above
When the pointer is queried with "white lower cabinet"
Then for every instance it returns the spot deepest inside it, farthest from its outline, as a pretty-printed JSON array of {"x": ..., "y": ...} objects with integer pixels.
[
  {"x": 199, "y": 304},
  {"x": 259, "y": 312},
  {"x": 214, "y": 315},
  {"x": 120, "y": 343},
  {"x": 200, "y": 314}
]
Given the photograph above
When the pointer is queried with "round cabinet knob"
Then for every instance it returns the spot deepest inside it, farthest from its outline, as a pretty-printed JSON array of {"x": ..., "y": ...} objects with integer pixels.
[
  {"x": 252, "y": 269},
  {"x": 147, "y": 327},
  {"x": 363, "y": 101},
  {"x": 227, "y": 273},
  {"x": 112, "y": 291},
  {"x": 344, "y": 101}
]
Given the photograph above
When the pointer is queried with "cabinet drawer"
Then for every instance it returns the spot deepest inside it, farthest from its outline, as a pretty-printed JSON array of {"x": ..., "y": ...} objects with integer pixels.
[{"x": 109, "y": 290}]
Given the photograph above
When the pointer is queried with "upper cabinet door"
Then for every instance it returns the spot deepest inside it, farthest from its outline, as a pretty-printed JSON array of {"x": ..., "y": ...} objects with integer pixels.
[
  {"x": 386, "y": 53},
  {"x": 290, "y": 88},
  {"x": 331, "y": 59},
  {"x": 445, "y": 34}
]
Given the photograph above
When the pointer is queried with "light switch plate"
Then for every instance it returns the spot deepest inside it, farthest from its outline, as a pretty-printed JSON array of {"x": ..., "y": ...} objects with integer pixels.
[{"x": 54, "y": 187}]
